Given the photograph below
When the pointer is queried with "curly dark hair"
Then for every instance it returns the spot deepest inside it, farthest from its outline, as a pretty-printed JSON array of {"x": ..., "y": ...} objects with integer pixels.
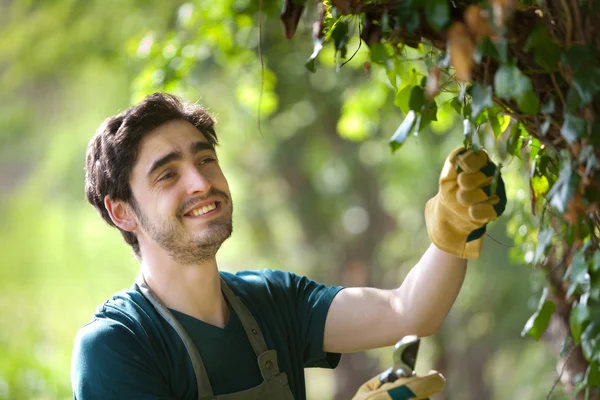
[{"x": 114, "y": 149}]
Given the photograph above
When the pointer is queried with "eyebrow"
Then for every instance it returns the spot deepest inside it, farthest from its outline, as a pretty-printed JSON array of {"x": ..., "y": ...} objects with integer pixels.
[{"x": 195, "y": 148}]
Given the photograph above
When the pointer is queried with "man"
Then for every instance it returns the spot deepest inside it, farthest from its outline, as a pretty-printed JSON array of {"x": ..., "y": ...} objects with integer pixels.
[{"x": 185, "y": 330}]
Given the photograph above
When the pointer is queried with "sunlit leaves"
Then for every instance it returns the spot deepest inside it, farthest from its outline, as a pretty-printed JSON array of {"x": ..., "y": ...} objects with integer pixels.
[{"x": 537, "y": 324}]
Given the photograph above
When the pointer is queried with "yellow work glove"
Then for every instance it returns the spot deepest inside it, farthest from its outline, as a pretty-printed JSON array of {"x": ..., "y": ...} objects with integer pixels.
[
  {"x": 457, "y": 216},
  {"x": 413, "y": 388}
]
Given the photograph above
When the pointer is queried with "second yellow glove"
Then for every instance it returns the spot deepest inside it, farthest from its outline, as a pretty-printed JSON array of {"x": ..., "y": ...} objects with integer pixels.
[{"x": 413, "y": 388}]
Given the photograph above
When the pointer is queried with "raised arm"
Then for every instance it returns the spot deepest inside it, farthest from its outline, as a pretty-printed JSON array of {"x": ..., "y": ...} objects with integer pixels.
[{"x": 456, "y": 218}]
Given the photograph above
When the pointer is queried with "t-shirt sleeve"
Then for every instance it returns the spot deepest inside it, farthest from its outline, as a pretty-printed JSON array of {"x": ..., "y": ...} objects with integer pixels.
[
  {"x": 312, "y": 300},
  {"x": 109, "y": 362}
]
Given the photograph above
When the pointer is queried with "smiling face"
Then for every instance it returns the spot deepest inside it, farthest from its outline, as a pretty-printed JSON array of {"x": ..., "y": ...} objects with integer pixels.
[{"x": 182, "y": 200}]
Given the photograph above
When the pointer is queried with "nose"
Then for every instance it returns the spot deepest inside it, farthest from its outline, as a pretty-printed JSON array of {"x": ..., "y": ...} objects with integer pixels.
[{"x": 196, "y": 182}]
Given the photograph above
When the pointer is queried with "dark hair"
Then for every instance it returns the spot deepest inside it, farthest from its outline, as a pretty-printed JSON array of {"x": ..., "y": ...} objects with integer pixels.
[{"x": 114, "y": 149}]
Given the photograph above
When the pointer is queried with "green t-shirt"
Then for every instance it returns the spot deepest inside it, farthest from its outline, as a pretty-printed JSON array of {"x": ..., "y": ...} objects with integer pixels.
[{"x": 127, "y": 351}]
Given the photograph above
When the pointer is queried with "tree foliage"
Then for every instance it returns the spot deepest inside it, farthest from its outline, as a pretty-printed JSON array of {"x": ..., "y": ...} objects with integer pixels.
[{"x": 527, "y": 74}]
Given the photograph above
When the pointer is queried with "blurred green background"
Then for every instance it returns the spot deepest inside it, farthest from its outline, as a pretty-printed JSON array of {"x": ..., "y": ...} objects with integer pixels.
[{"x": 316, "y": 188}]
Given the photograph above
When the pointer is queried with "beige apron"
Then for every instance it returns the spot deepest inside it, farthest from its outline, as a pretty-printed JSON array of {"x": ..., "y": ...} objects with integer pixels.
[{"x": 275, "y": 384}]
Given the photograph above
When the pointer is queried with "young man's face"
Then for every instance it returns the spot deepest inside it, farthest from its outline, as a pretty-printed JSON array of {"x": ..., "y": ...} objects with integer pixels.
[{"x": 182, "y": 200}]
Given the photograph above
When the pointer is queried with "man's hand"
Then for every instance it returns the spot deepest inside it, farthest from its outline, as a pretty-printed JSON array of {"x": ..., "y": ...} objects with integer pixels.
[
  {"x": 457, "y": 216},
  {"x": 413, "y": 388}
]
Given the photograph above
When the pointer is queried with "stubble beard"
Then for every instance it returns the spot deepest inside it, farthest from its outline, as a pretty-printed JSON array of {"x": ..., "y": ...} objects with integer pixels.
[{"x": 183, "y": 248}]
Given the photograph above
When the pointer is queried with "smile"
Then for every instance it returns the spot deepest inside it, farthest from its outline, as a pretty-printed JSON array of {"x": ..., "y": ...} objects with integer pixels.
[{"x": 196, "y": 212}]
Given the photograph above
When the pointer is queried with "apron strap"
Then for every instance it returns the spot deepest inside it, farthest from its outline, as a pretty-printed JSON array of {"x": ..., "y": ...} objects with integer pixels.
[
  {"x": 267, "y": 359},
  {"x": 202, "y": 382}
]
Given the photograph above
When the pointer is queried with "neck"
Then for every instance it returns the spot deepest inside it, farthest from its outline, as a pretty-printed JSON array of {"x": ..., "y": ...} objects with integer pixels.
[{"x": 191, "y": 289}]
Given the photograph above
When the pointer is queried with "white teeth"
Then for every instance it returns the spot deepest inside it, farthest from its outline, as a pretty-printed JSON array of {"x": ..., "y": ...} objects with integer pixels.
[{"x": 203, "y": 210}]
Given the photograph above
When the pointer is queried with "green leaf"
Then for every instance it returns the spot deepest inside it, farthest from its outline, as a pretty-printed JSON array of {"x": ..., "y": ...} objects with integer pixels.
[
  {"x": 592, "y": 374},
  {"x": 538, "y": 322},
  {"x": 580, "y": 315},
  {"x": 499, "y": 123},
  {"x": 563, "y": 188},
  {"x": 595, "y": 267},
  {"x": 437, "y": 13},
  {"x": 379, "y": 53},
  {"x": 587, "y": 84},
  {"x": 481, "y": 99},
  {"x": 573, "y": 128},
  {"x": 317, "y": 47},
  {"x": 544, "y": 243},
  {"x": 339, "y": 34},
  {"x": 529, "y": 103},
  {"x": 578, "y": 274},
  {"x": 407, "y": 15},
  {"x": 579, "y": 58},
  {"x": 590, "y": 340},
  {"x": 417, "y": 98},
  {"x": 511, "y": 83},
  {"x": 540, "y": 185},
  {"x": 573, "y": 100},
  {"x": 403, "y": 131},
  {"x": 548, "y": 107},
  {"x": 428, "y": 114},
  {"x": 514, "y": 140},
  {"x": 546, "y": 52},
  {"x": 457, "y": 105},
  {"x": 402, "y": 99}
]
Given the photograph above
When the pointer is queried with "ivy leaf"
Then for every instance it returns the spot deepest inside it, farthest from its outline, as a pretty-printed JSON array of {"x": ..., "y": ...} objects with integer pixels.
[
  {"x": 457, "y": 105},
  {"x": 538, "y": 322},
  {"x": 573, "y": 128},
  {"x": 563, "y": 188},
  {"x": 481, "y": 99},
  {"x": 592, "y": 375},
  {"x": 529, "y": 103},
  {"x": 402, "y": 99},
  {"x": 403, "y": 131},
  {"x": 573, "y": 100},
  {"x": 468, "y": 129},
  {"x": 339, "y": 33},
  {"x": 578, "y": 274},
  {"x": 407, "y": 15},
  {"x": 596, "y": 261},
  {"x": 544, "y": 243},
  {"x": 540, "y": 185},
  {"x": 511, "y": 83},
  {"x": 580, "y": 316},
  {"x": 437, "y": 13},
  {"x": 514, "y": 140},
  {"x": 379, "y": 53},
  {"x": 317, "y": 47},
  {"x": 590, "y": 340},
  {"x": 428, "y": 114},
  {"x": 417, "y": 98},
  {"x": 579, "y": 58},
  {"x": 548, "y": 107},
  {"x": 546, "y": 52},
  {"x": 587, "y": 84}
]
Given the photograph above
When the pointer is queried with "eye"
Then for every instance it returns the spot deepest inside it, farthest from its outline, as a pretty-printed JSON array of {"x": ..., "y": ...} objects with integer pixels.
[
  {"x": 206, "y": 160},
  {"x": 165, "y": 176}
]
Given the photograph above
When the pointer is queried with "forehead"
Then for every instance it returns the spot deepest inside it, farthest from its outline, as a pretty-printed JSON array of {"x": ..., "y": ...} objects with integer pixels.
[{"x": 172, "y": 136}]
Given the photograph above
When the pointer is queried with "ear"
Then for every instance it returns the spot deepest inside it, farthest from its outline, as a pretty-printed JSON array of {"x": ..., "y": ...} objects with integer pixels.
[{"x": 120, "y": 214}]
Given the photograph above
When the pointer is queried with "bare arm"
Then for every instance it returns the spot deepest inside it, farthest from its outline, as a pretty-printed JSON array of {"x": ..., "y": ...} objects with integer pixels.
[{"x": 366, "y": 318}]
